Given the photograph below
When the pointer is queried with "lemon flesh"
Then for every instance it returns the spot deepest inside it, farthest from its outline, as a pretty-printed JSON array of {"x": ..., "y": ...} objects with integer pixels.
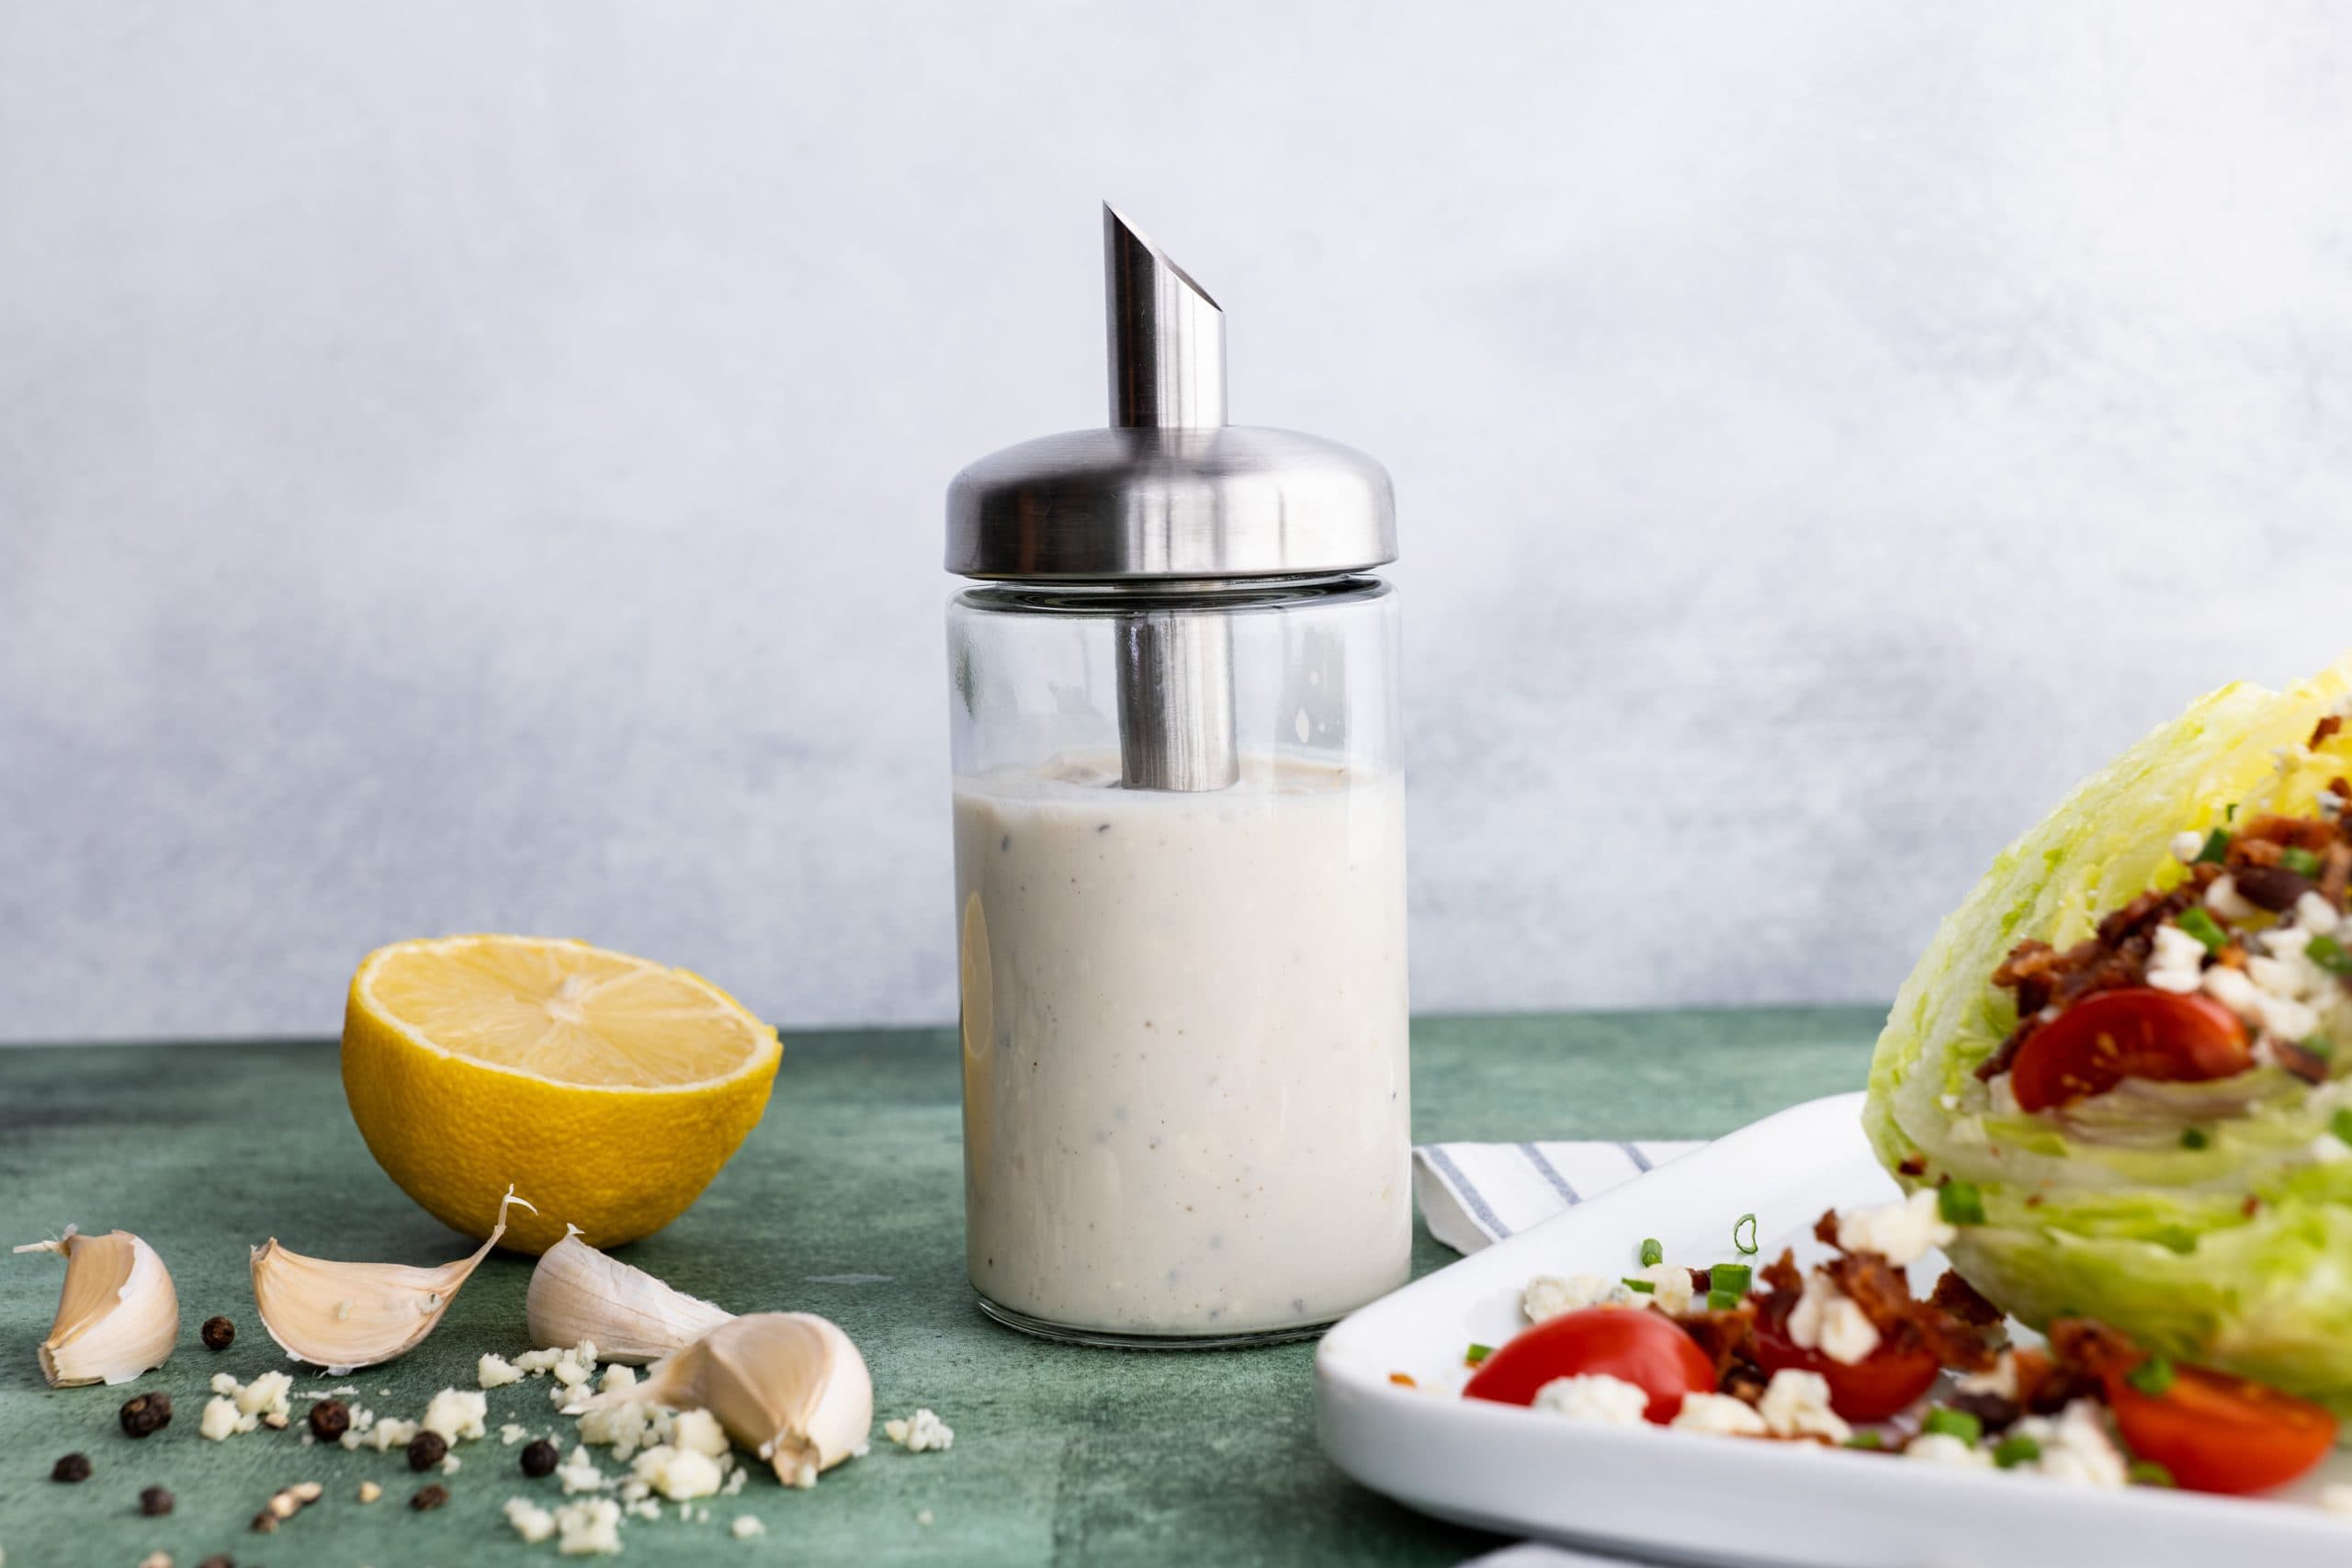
[{"x": 606, "y": 1089}]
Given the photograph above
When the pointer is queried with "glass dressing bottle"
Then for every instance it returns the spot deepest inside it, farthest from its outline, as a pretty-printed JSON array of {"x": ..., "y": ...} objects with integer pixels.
[{"x": 1180, "y": 858}]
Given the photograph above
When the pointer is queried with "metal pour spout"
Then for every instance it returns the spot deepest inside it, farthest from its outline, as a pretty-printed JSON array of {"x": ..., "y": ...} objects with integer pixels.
[
  {"x": 1166, "y": 336},
  {"x": 1166, "y": 365}
]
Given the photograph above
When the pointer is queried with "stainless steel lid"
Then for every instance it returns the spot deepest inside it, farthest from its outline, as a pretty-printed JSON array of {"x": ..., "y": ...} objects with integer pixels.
[{"x": 1171, "y": 490}]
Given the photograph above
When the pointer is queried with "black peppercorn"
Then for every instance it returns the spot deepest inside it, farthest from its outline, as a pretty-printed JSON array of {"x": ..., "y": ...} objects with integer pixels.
[
  {"x": 264, "y": 1523},
  {"x": 538, "y": 1458},
  {"x": 330, "y": 1419},
  {"x": 145, "y": 1412},
  {"x": 218, "y": 1333},
  {"x": 72, "y": 1468},
  {"x": 429, "y": 1497},
  {"x": 426, "y": 1449},
  {"x": 154, "y": 1502}
]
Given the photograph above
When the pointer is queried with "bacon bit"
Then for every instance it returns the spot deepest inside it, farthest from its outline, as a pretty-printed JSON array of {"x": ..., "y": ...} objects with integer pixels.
[
  {"x": 1825, "y": 1229},
  {"x": 2251, "y": 1205},
  {"x": 1782, "y": 1275},
  {"x": 1726, "y": 1337},
  {"x": 2148, "y": 910},
  {"x": 2027, "y": 959},
  {"x": 1954, "y": 1343},
  {"x": 1744, "y": 1381},
  {"x": 2335, "y": 869},
  {"x": 1962, "y": 1301},
  {"x": 2033, "y": 1200},
  {"x": 2257, "y": 853},
  {"x": 2233, "y": 956},
  {"x": 1403, "y": 1380},
  {"x": 1913, "y": 1165},
  {"x": 2321, "y": 730},
  {"x": 1904, "y": 1321},
  {"x": 2298, "y": 832},
  {"x": 2086, "y": 1346},
  {"x": 2045, "y": 1388},
  {"x": 2300, "y": 1062}
]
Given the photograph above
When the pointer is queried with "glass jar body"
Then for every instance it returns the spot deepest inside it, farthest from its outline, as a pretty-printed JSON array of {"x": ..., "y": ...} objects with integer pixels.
[{"x": 1183, "y": 1013}]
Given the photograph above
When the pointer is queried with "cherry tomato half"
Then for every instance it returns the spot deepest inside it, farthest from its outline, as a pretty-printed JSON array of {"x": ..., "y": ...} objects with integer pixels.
[
  {"x": 2140, "y": 1032},
  {"x": 2218, "y": 1433},
  {"x": 1642, "y": 1347},
  {"x": 1871, "y": 1389}
]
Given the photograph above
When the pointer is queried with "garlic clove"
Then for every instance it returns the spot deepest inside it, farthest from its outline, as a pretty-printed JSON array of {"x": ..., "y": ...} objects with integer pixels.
[
  {"x": 578, "y": 1292},
  {"x": 118, "y": 1315},
  {"x": 342, "y": 1316},
  {"x": 787, "y": 1385}
]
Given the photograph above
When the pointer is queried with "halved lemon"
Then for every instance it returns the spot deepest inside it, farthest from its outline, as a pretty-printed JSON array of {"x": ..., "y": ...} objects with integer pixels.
[{"x": 606, "y": 1089}]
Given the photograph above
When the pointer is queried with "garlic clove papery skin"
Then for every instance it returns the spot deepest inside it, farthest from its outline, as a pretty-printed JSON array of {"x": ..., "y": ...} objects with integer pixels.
[
  {"x": 342, "y": 1316},
  {"x": 578, "y": 1292},
  {"x": 118, "y": 1315},
  {"x": 789, "y": 1386}
]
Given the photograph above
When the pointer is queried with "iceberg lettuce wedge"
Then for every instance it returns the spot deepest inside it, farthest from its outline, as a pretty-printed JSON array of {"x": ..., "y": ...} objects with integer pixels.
[{"x": 2229, "y": 1244}]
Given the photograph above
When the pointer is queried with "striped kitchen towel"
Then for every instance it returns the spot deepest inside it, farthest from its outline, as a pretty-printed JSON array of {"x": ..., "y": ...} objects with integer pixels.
[{"x": 1472, "y": 1194}]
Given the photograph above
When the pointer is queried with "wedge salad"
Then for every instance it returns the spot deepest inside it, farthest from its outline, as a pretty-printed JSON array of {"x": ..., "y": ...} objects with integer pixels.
[
  {"x": 2133, "y": 1042},
  {"x": 2118, "y": 1093},
  {"x": 1844, "y": 1354}
]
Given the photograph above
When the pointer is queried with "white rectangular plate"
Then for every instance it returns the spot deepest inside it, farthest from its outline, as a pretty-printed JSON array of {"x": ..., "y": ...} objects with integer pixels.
[{"x": 1680, "y": 1497}]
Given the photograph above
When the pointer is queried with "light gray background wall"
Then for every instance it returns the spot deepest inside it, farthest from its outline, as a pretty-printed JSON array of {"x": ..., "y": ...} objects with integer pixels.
[{"x": 476, "y": 465}]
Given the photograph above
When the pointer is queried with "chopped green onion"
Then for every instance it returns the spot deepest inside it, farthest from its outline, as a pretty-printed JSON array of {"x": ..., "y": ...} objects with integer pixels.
[
  {"x": 2230, "y": 812},
  {"x": 2152, "y": 1377},
  {"x": 2148, "y": 1472},
  {"x": 1866, "y": 1440},
  {"x": 2329, "y": 955},
  {"x": 2011, "y": 1452},
  {"x": 2341, "y": 1123},
  {"x": 1960, "y": 1204},
  {"x": 2205, "y": 929},
  {"x": 1642, "y": 1287},
  {"x": 1745, "y": 1223},
  {"x": 2302, "y": 862},
  {"x": 2194, "y": 1138},
  {"x": 2317, "y": 1046},
  {"x": 2217, "y": 847},
  {"x": 1653, "y": 1253},
  {"x": 1954, "y": 1424},
  {"x": 1733, "y": 1277},
  {"x": 1476, "y": 1354},
  {"x": 1721, "y": 1300}
]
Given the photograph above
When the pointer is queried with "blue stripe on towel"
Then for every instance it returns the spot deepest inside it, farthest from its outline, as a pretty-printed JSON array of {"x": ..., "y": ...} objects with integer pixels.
[
  {"x": 1549, "y": 1172},
  {"x": 1465, "y": 1191}
]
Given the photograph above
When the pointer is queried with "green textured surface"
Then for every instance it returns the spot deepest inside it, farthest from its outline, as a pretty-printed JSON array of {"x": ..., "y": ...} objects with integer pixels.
[{"x": 1061, "y": 1455}]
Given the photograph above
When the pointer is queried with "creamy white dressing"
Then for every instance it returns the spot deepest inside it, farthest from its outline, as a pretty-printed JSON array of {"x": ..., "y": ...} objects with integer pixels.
[{"x": 1185, "y": 1102}]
